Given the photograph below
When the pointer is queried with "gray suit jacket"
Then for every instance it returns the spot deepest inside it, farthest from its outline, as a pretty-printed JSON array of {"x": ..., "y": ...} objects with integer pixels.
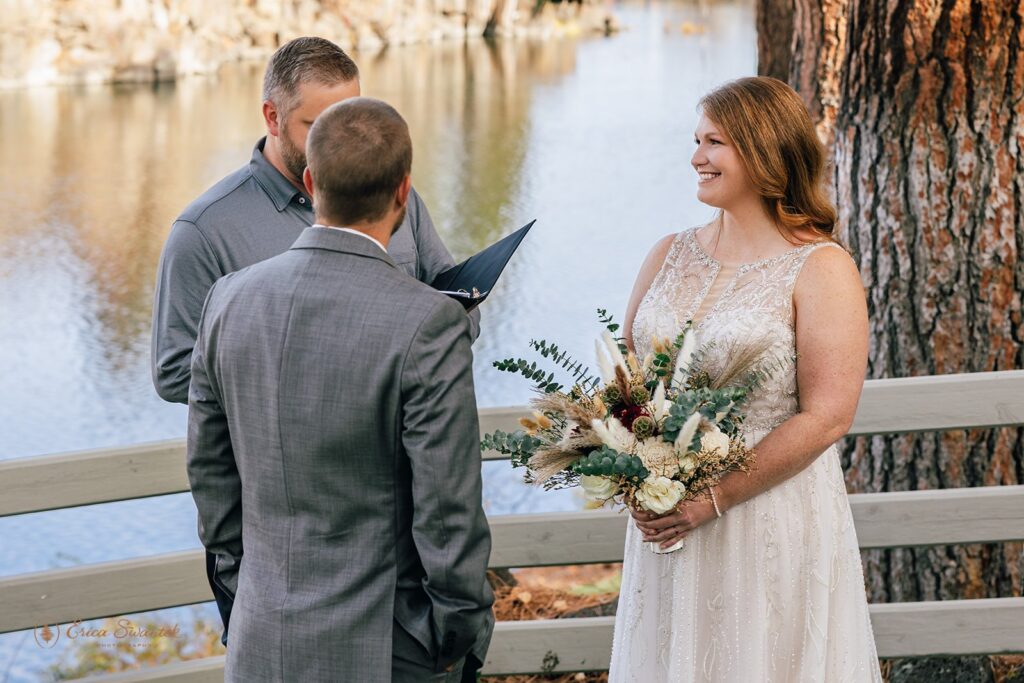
[{"x": 333, "y": 455}]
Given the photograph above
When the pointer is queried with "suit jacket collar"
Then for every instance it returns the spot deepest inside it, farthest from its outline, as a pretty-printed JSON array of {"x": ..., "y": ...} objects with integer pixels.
[{"x": 340, "y": 241}]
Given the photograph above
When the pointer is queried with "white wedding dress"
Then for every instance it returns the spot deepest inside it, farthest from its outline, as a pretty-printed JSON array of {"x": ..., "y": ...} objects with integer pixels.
[{"x": 772, "y": 591}]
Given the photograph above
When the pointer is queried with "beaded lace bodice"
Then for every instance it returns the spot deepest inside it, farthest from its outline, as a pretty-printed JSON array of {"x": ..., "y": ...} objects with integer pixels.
[{"x": 756, "y": 303}]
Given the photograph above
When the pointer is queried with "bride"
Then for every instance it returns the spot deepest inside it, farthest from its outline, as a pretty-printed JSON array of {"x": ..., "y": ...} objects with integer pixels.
[{"x": 768, "y": 584}]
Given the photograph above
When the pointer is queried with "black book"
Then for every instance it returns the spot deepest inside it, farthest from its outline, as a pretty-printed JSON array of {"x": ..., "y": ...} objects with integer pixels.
[{"x": 471, "y": 281}]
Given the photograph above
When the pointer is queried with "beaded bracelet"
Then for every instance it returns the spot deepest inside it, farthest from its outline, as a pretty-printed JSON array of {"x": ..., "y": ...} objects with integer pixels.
[{"x": 714, "y": 501}]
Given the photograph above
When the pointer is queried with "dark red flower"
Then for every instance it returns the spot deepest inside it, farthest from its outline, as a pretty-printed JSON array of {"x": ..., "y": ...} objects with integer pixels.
[{"x": 626, "y": 414}]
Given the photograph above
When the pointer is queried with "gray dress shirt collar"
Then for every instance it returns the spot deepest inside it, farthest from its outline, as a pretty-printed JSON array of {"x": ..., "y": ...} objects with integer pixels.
[
  {"x": 277, "y": 187},
  {"x": 354, "y": 232}
]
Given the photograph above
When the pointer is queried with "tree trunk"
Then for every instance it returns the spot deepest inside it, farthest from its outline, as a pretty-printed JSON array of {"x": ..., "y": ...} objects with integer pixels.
[
  {"x": 774, "y": 38},
  {"x": 819, "y": 49},
  {"x": 920, "y": 104}
]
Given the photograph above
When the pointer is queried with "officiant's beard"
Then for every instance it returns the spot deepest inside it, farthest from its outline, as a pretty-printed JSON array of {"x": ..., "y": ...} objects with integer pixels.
[
  {"x": 293, "y": 157},
  {"x": 398, "y": 221}
]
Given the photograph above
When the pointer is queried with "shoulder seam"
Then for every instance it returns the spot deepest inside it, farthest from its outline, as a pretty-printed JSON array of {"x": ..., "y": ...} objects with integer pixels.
[
  {"x": 246, "y": 177},
  {"x": 206, "y": 242}
]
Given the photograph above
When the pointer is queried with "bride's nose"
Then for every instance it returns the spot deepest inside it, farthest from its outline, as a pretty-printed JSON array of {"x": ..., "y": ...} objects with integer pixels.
[{"x": 698, "y": 159}]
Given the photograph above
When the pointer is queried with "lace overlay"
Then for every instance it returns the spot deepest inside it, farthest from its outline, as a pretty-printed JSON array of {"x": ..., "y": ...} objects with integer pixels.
[{"x": 773, "y": 591}]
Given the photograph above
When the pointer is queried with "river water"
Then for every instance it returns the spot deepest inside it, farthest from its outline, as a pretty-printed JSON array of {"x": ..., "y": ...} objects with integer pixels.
[{"x": 591, "y": 136}]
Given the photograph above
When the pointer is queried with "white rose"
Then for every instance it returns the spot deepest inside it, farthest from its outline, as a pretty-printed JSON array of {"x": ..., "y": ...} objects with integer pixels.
[
  {"x": 688, "y": 463},
  {"x": 660, "y": 494},
  {"x": 715, "y": 443},
  {"x": 598, "y": 488}
]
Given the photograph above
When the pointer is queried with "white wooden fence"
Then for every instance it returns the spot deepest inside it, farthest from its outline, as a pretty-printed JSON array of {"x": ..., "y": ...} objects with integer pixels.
[{"x": 883, "y": 520}]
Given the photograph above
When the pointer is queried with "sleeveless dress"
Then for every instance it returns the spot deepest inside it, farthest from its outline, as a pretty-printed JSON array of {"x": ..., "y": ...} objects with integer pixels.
[{"x": 773, "y": 591}]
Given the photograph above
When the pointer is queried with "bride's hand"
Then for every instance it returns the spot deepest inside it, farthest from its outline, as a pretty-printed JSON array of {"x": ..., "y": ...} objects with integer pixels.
[{"x": 674, "y": 526}]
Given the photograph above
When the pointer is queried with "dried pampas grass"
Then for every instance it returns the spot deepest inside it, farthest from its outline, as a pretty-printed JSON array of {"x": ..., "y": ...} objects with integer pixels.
[
  {"x": 547, "y": 462},
  {"x": 581, "y": 412},
  {"x": 741, "y": 362}
]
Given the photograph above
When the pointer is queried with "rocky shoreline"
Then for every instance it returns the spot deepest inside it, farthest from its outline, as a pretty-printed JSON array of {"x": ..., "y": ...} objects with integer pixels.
[{"x": 68, "y": 42}]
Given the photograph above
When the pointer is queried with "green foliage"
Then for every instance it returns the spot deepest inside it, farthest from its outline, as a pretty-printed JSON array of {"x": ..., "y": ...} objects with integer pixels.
[
  {"x": 580, "y": 373},
  {"x": 663, "y": 363},
  {"x": 543, "y": 380},
  {"x": 613, "y": 327},
  {"x": 764, "y": 371},
  {"x": 608, "y": 462},
  {"x": 518, "y": 445},
  {"x": 662, "y": 367},
  {"x": 709, "y": 402}
]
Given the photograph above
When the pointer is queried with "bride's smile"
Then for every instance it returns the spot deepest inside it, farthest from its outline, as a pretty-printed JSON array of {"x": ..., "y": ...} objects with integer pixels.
[{"x": 722, "y": 180}]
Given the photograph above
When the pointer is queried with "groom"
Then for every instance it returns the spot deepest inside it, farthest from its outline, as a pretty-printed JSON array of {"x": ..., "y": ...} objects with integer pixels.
[
  {"x": 259, "y": 210},
  {"x": 332, "y": 440}
]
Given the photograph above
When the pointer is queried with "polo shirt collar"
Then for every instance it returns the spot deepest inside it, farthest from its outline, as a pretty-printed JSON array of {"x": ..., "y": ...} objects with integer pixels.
[{"x": 277, "y": 187}]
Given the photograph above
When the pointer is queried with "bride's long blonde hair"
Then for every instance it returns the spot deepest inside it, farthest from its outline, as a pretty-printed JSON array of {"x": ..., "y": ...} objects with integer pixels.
[{"x": 773, "y": 133}]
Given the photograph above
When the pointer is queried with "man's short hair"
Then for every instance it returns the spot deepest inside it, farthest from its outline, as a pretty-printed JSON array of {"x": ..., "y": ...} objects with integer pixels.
[
  {"x": 305, "y": 60},
  {"x": 359, "y": 152}
]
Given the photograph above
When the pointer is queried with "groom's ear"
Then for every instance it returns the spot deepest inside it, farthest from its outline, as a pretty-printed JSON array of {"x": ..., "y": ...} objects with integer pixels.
[
  {"x": 402, "y": 194},
  {"x": 307, "y": 181}
]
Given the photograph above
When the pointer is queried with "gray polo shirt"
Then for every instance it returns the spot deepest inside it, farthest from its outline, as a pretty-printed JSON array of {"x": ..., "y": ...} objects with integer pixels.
[{"x": 247, "y": 217}]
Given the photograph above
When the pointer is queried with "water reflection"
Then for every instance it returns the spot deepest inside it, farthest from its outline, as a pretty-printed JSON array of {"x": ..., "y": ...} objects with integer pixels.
[
  {"x": 591, "y": 137},
  {"x": 93, "y": 177}
]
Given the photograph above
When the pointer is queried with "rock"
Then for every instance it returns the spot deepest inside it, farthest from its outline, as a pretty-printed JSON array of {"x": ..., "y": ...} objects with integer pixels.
[
  {"x": 45, "y": 42},
  {"x": 605, "y": 609},
  {"x": 499, "y": 578},
  {"x": 952, "y": 669}
]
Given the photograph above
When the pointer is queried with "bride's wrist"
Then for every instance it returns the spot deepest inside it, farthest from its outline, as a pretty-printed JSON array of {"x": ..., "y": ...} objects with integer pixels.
[{"x": 717, "y": 500}]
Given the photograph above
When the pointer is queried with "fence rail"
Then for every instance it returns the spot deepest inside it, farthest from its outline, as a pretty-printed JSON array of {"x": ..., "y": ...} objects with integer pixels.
[
  {"x": 51, "y": 482},
  {"x": 987, "y": 514}
]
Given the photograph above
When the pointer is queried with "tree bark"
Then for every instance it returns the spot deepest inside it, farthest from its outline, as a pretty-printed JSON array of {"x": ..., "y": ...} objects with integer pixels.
[
  {"x": 774, "y": 38},
  {"x": 819, "y": 50},
  {"x": 921, "y": 106}
]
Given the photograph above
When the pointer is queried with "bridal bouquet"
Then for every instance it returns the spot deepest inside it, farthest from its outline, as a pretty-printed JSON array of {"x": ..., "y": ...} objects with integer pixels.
[{"x": 647, "y": 433}]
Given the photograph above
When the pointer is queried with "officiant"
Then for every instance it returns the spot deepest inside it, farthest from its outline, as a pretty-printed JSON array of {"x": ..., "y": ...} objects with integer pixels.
[{"x": 259, "y": 210}]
